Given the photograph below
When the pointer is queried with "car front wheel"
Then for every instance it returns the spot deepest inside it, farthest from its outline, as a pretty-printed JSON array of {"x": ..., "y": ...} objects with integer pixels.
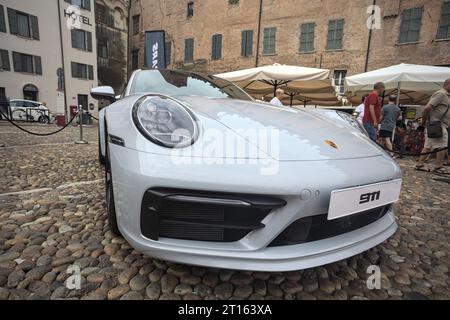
[{"x": 110, "y": 203}]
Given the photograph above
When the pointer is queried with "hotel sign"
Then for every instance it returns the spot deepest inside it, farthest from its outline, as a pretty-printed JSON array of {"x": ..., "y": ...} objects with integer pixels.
[{"x": 74, "y": 17}]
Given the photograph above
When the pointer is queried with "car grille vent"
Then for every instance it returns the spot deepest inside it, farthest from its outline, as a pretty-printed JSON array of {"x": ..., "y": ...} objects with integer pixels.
[{"x": 203, "y": 216}]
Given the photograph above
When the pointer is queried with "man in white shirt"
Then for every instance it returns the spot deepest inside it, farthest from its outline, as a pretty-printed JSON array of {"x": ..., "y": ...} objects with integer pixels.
[
  {"x": 360, "y": 110},
  {"x": 278, "y": 97}
]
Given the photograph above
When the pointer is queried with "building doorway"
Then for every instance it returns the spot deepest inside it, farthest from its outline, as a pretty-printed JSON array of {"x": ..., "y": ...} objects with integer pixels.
[
  {"x": 30, "y": 92},
  {"x": 83, "y": 101}
]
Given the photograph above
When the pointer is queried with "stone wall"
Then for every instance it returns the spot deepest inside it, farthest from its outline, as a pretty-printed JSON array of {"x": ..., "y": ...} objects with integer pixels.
[{"x": 211, "y": 17}]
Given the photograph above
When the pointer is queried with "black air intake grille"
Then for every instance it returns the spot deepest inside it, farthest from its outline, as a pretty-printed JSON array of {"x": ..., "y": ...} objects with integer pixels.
[
  {"x": 317, "y": 228},
  {"x": 203, "y": 216}
]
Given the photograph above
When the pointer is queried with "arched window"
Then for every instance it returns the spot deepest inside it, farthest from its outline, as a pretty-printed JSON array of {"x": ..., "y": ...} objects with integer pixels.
[
  {"x": 30, "y": 92},
  {"x": 119, "y": 18}
]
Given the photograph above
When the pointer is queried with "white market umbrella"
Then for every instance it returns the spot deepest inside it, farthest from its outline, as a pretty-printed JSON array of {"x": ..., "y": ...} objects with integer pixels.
[
  {"x": 415, "y": 83},
  {"x": 297, "y": 81}
]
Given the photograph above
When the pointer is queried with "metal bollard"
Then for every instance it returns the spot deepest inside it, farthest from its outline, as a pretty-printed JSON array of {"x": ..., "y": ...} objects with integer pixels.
[{"x": 80, "y": 117}]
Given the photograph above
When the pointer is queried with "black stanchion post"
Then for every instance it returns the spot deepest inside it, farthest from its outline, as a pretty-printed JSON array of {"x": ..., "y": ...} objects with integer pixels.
[{"x": 80, "y": 116}]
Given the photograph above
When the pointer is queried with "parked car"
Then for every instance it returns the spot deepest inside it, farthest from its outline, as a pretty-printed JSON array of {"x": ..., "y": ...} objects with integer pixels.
[
  {"x": 331, "y": 195},
  {"x": 26, "y": 110}
]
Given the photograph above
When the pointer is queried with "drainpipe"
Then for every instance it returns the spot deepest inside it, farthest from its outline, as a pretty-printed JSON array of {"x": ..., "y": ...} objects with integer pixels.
[
  {"x": 128, "y": 40},
  {"x": 366, "y": 67},
  {"x": 62, "y": 60},
  {"x": 259, "y": 32}
]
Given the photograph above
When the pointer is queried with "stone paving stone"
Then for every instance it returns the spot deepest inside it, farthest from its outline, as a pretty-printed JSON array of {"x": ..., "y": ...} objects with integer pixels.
[{"x": 44, "y": 232}]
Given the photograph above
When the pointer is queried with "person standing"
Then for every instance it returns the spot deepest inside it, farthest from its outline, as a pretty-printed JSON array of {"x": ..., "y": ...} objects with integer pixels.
[
  {"x": 372, "y": 110},
  {"x": 360, "y": 110},
  {"x": 276, "y": 101},
  {"x": 437, "y": 112},
  {"x": 389, "y": 116}
]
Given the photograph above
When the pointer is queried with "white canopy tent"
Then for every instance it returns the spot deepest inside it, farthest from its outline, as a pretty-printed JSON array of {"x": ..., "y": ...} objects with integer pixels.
[
  {"x": 308, "y": 85},
  {"x": 415, "y": 83}
]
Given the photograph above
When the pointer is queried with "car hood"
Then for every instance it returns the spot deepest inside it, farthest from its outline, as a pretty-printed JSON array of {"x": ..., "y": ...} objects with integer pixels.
[{"x": 287, "y": 134}]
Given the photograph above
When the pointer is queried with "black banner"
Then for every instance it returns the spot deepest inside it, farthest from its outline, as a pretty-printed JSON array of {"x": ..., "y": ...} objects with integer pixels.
[{"x": 155, "y": 53}]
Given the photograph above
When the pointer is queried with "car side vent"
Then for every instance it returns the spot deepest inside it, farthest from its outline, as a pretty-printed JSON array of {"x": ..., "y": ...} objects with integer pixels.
[{"x": 203, "y": 216}]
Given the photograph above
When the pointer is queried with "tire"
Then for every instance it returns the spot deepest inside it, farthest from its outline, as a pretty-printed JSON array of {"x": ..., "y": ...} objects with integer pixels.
[
  {"x": 19, "y": 115},
  {"x": 110, "y": 203},
  {"x": 111, "y": 208},
  {"x": 101, "y": 158},
  {"x": 44, "y": 120}
]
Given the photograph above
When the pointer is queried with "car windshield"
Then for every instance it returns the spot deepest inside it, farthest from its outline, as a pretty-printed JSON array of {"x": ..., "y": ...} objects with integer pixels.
[{"x": 175, "y": 83}]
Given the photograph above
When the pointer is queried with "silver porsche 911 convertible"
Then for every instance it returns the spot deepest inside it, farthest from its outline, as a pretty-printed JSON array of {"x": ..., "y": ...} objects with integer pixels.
[{"x": 198, "y": 172}]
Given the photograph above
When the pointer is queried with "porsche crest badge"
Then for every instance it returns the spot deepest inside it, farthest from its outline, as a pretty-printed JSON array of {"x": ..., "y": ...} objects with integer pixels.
[{"x": 331, "y": 144}]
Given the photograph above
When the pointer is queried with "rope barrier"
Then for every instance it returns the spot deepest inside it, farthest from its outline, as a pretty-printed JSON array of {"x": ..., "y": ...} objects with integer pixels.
[
  {"x": 35, "y": 133},
  {"x": 92, "y": 117}
]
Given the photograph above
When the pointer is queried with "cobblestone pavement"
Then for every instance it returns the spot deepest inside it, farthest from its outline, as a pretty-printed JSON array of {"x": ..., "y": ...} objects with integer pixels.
[{"x": 63, "y": 222}]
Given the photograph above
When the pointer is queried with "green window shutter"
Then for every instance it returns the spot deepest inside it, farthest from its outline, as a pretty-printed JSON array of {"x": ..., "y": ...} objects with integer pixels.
[
  {"x": 168, "y": 52},
  {"x": 37, "y": 64},
  {"x": 249, "y": 49},
  {"x": 247, "y": 43},
  {"x": 269, "y": 43},
  {"x": 444, "y": 23},
  {"x": 217, "y": 46},
  {"x": 73, "y": 66},
  {"x": 411, "y": 24},
  {"x": 89, "y": 41},
  {"x": 73, "y": 33},
  {"x": 2, "y": 19},
  {"x": 17, "y": 62},
  {"x": 244, "y": 44},
  {"x": 188, "y": 50},
  {"x": 34, "y": 27},
  {"x": 12, "y": 17},
  {"x": 86, "y": 5},
  {"x": 91, "y": 72},
  {"x": 5, "y": 60}
]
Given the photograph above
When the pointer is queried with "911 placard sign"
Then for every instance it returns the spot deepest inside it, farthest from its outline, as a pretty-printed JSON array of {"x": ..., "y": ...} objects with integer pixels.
[{"x": 155, "y": 53}]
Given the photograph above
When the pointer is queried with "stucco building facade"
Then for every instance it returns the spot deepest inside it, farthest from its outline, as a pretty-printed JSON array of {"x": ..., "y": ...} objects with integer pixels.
[
  {"x": 225, "y": 35},
  {"x": 49, "y": 53}
]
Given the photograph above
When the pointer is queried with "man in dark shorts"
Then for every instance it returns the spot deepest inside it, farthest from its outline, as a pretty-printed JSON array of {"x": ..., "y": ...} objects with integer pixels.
[{"x": 389, "y": 116}]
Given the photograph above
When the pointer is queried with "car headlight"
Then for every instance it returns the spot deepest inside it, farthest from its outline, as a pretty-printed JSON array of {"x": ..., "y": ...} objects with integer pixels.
[
  {"x": 355, "y": 124},
  {"x": 165, "y": 121}
]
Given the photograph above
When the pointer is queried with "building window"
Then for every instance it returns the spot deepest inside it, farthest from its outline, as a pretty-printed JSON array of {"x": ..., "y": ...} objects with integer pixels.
[
  {"x": 307, "y": 37},
  {"x": 136, "y": 22},
  {"x": 23, "y": 24},
  {"x": 411, "y": 24},
  {"x": 2, "y": 19},
  {"x": 4, "y": 60},
  {"x": 335, "y": 34},
  {"x": 135, "y": 60},
  {"x": 168, "y": 50},
  {"x": 247, "y": 43},
  {"x": 84, "y": 4},
  {"x": 444, "y": 24},
  {"x": 82, "y": 71},
  {"x": 81, "y": 39},
  {"x": 216, "y": 47},
  {"x": 233, "y": 2},
  {"x": 27, "y": 63},
  {"x": 270, "y": 36},
  {"x": 100, "y": 13},
  {"x": 189, "y": 50},
  {"x": 102, "y": 50},
  {"x": 339, "y": 80},
  {"x": 190, "y": 9},
  {"x": 30, "y": 92}
]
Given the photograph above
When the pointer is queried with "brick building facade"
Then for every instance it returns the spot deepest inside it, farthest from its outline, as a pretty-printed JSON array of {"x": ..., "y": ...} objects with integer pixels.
[{"x": 222, "y": 35}]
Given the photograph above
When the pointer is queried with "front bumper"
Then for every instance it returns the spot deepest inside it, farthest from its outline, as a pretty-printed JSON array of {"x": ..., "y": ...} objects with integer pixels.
[{"x": 304, "y": 186}]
